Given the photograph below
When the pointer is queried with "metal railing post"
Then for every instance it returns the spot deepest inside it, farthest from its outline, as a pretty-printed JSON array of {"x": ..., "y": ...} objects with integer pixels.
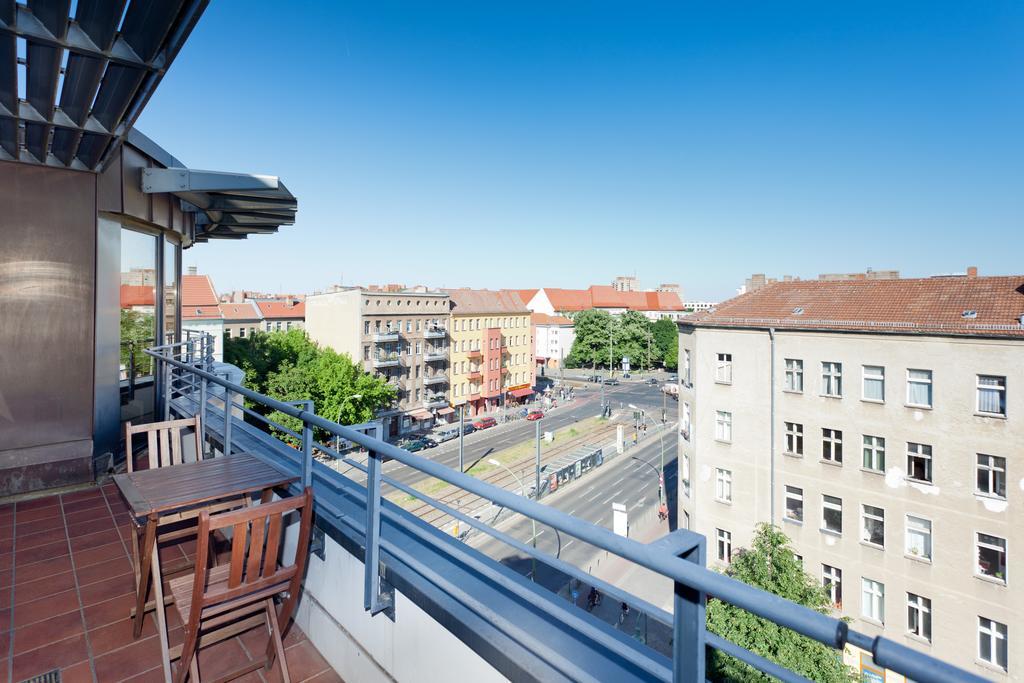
[
  {"x": 373, "y": 599},
  {"x": 229, "y": 399},
  {"x": 168, "y": 375},
  {"x": 307, "y": 449},
  {"x": 688, "y": 629},
  {"x": 202, "y": 417}
]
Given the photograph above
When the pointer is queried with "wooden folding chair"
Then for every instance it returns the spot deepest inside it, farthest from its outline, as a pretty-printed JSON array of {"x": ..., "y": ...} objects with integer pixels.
[
  {"x": 224, "y": 601},
  {"x": 164, "y": 449}
]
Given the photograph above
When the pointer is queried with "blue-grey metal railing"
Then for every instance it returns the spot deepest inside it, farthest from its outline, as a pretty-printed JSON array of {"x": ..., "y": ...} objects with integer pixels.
[{"x": 188, "y": 369}]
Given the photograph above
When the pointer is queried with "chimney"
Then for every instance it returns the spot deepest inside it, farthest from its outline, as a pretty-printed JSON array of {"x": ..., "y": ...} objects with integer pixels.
[
  {"x": 972, "y": 271},
  {"x": 193, "y": 270}
]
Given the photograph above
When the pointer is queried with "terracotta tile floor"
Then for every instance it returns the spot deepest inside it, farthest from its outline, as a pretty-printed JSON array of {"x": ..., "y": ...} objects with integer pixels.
[{"x": 66, "y": 588}]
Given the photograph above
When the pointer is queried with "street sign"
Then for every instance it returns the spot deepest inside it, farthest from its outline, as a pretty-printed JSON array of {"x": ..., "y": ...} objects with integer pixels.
[{"x": 625, "y": 363}]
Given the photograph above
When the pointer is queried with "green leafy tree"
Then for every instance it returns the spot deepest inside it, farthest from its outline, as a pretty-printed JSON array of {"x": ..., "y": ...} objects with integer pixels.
[
  {"x": 633, "y": 339},
  {"x": 671, "y": 359},
  {"x": 288, "y": 366},
  {"x": 771, "y": 565},
  {"x": 590, "y": 347},
  {"x": 666, "y": 338},
  {"x": 139, "y": 328}
]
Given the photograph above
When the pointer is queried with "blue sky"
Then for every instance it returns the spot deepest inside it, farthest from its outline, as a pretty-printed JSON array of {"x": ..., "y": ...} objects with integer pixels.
[{"x": 563, "y": 143}]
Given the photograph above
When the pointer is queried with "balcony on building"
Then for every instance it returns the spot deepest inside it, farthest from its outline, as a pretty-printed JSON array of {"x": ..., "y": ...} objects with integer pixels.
[
  {"x": 475, "y": 353},
  {"x": 475, "y": 375},
  {"x": 435, "y": 332},
  {"x": 434, "y": 355},
  {"x": 384, "y": 336},
  {"x": 436, "y": 378},
  {"x": 435, "y": 401},
  {"x": 386, "y": 360}
]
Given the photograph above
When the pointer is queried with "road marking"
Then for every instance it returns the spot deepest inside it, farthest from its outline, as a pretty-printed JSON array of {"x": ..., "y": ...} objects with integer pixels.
[{"x": 567, "y": 544}]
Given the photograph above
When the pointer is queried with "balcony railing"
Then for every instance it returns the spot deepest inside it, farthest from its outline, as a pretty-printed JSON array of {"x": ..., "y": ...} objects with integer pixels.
[
  {"x": 435, "y": 333},
  {"x": 679, "y": 556},
  {"x": 475, "y": 353},
  {"x": 386, "y": 336},
  {"x": 437, "y": 401},
  {"x": 386, "y": 360},
  {"x": 435, "y": 355},
  {"x": 430, "y": 380}
]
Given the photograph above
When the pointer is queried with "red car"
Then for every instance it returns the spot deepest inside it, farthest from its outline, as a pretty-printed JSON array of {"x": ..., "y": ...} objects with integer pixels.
[
  {"x": 484, "y": 423},
  {"x": 535, "y": 415}
]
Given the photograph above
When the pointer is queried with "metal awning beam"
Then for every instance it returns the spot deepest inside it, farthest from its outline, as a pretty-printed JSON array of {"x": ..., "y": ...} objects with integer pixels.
[{"x": 155, "y": 180}]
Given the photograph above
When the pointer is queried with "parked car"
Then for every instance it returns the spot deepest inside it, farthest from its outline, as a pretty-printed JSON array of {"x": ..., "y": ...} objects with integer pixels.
[
  {"x": 412, "y": 445},
  {"x": 447, "y": 433},
  {"x": 651, "y": 381},
  {"x": 485, "y": 423},
  {"x": 594, "y": 378},
  {"x": 428, "y": 442},
  {"x": 535, "y": 415},
  {"x": 626, "y": 375},
  {"x": 611, "y": 381},
  {"x": 468, "y": 428},
  {"x": 673, "y": 378}
]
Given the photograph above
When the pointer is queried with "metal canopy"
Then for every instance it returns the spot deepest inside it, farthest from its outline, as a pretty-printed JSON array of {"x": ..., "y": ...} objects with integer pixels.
[
  {"x": 228, "y": 205},
  {"x": 85, "y": 78}
]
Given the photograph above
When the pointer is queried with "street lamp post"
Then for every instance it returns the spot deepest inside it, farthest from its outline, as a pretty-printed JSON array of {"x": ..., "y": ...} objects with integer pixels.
[
  {"x": 337, "y": 439},
  {"x": 462, "y": 431},
  {"x": 661, "y": 446},
  {"x": 533, "y": 522},
  {"x": 660, "y": 474}
]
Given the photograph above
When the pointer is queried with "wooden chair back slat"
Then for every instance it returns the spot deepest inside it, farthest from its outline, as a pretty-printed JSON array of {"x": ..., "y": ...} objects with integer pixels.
[
  {"x": 273, "y": 539},
  {"x": 163, "y": 441},
  {"x": 257, "y": 530},
  {"x": 238, "y": 543}
]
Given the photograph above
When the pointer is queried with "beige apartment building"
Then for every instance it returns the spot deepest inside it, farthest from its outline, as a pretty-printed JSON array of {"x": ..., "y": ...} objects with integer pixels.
[
  {"x": 492, "y": 360},
  {"x": 880, "y": 424},
  {"x": 397, "y": 333}
]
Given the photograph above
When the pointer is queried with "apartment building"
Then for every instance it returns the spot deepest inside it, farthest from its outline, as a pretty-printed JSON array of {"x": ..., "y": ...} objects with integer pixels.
[
  {"x": 879, "y": 423},
  {"x": 241, "y": 319},
  {"x": 568, "y": 302},
  {"x": 491, "y": 351},
  {"x": 281, "y": 315},
  {"x": 200, "y": 309},
  {"x": 553, "y": 338},
  {"x": 397, "y": 333}
]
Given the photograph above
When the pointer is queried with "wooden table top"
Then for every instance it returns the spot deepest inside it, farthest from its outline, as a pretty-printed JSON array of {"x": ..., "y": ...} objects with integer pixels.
[{"x": 166, "y": 489}]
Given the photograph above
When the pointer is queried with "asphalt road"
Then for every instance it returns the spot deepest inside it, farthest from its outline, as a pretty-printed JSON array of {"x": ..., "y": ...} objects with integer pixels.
[
  {"x": 480, "y": 445},
  {"x": 619, "y": 480}
]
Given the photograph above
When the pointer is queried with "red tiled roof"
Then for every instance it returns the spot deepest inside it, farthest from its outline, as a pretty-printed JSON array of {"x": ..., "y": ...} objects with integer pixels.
[
  {"x": 282, "y": 309},
  {"x": 545, "y": 319},
  {"x": 524, "y": 294},
  {"x": 137, "y": 295},
  {"x": 198, "y": 298},
  {"x": 472, "y": 301},
  {"x": 242, "y": 311},
  {"x": 908, "y": 306},
  {"x": 606, "y": 296}
]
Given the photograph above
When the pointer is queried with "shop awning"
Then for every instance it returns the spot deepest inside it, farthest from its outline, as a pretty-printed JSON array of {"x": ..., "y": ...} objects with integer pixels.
[
  {"x": 446, "y": 411},
  {"x": 519, "y": 393},
  {"x": 421, "y": 415}
]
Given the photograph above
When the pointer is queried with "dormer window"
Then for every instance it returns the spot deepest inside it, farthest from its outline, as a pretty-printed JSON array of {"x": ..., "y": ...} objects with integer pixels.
[
  {"x": 798, "y": 310},
  {"x": 970, "y": 314}
]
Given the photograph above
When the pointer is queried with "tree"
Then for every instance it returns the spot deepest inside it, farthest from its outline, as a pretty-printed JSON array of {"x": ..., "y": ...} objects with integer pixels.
[
  {"x": 288, "y": 366},
  {"x": 666, "y": 338},
  {"x": 771, "y": 565},
  {"x": 603, "y": 340},
  {"x": 671, "y": 359},
  {"x": 633, "y": 340},
  {"x": 139, "y": 329},
  {"x": 590, "y": 347}
]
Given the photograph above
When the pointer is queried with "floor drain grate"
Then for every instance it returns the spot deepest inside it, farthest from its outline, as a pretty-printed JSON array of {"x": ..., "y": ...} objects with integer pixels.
[{"x": 48, "y": 677}]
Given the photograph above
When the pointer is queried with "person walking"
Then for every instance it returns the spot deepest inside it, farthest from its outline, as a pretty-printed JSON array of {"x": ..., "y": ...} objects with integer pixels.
[{"x": 624, "y": 610}]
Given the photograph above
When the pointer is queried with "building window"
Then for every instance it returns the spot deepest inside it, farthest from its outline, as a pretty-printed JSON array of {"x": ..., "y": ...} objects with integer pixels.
[
  {"x": 419, "y": 347},
  {"x": 685, "y": 429},
  {"x": 992, "y": 642},
  {"x": 408, "y": 325},
  {"x": 723, "y": 425},
  {"x": 832, "y": 580},
  {"x": 872, "y": 600},
  {"x": 794, "y": 438},
  {"x": 686, "y": 367},
  {"x": 723, "y": 485},
  {"x": 919, "y": 537},
  {"x": 794, "y": 375},
  {"x": 832, "y": 379},
  {"x": 991, "y": 557},
  {"x": 686, "y": 475},
  {"x": 919, "y": 616},
  {"x": 366, "y": 352},
  {"x": 872, "y": 525},
  {"x": 241, "y": 332},
  {"x": 723, "y": 368},
  {"x": 794, "y": 504},
  {"x": 874, "y": 383},
  {"x": 268, "y": 326},
  {"x": 919, "y": 388},
  {"x": 832, "y": 445},
  {"x": 724, "y": 545},
  {"x": 992, "y": 395},
  {"x": 991, "y": 475},
  {"x": 919, "y": 462},
  {"x": 832, "y": 514},
  {"x": 874, "y": 453}
]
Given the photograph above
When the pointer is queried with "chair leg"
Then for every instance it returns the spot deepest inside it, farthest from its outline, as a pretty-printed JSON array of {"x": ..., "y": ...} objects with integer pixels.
[
  {"x": 275, "y": 642},
  {"x": 193, "y": 669},
  {"x": 188, "y": 654}
]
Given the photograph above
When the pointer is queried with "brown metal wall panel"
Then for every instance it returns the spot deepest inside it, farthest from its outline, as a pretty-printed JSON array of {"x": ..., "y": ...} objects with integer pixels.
[
  {"x": 108, "y": 187},
  {"x": 136, "y": 204},
  {"x": 47, "y": 264}
]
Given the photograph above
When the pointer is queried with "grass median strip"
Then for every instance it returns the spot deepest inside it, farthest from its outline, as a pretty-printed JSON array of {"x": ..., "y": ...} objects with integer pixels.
[{"x": 509, "y": 457}]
